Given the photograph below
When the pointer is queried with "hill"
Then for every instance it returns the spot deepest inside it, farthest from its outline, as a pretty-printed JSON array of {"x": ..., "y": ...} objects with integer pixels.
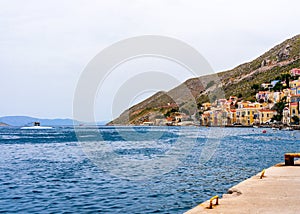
[
  {"x": 237, "y": 82},
  {"x": 3, "y": 124}
]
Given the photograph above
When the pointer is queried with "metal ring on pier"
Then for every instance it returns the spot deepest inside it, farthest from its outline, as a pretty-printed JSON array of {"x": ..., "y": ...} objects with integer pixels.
[
  {"x": 211, "y": 200},
  {"x": 262, "y": 174}
]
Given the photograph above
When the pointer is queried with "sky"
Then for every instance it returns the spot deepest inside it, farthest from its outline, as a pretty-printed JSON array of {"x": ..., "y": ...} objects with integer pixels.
[{"x": 45, "y": 45}]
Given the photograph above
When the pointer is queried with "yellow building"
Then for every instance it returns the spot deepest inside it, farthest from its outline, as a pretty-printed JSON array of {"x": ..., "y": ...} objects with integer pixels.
[
  {"x": 295, "y": 83},
  {"x": 206, "y": 119},
  {"x": 265, "y": 115},
  {"x": 294, "y": 109},
  {"x": 232, "y": 116},
  {"x": 215, "y": 117},
  {"x": 248, "y": 115},
  {"x": 206, "y": 106},
  {"x": 286, "y": 92}
]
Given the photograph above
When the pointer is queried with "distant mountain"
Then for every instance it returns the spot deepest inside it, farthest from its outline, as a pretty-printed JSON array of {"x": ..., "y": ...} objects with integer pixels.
[
  {"x": 27, "y": 121},
  {"x": 236, "y": 82},
  {"x": 3, "y": 124}
]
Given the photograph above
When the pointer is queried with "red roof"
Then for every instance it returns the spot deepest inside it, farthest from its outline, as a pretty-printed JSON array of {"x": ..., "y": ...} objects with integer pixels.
[
  {"x": 169, "y": 118},
  {"x": 250, "y": 107},
  {"x": 266, "y": 110},
  {"x": 295, "y": 70},
  {"x": 264, "y": 92}
]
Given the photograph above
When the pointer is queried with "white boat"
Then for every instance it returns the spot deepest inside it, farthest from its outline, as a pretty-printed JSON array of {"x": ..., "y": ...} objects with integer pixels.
[
  {"x": 36, "y": 125},
  {"x": 288, "y": 128}
]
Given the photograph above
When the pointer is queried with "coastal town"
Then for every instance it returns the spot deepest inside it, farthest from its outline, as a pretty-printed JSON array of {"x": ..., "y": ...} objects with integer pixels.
[{"x": 273, "y": 103}]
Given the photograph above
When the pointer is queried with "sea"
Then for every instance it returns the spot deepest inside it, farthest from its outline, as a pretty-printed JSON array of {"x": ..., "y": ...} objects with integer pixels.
[{"x": 130, "y": 169}]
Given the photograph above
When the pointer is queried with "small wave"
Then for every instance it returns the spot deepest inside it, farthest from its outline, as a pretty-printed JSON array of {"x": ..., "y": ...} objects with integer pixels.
[{"x": 9, "y": 137}]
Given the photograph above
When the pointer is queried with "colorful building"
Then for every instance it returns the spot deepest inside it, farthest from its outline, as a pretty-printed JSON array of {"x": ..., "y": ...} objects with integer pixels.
[
  {"x": 286, "y": 116},
  {"x": 205, "y": 119},
  {"x": 275, "y": 97},
  {"x": 295, "y": 91},
  {"x": 295, "y": 83},
  {"x": 294, "y": 109},
  {"x": 232, "y": 116},
  {"x": 295, "y": 72},
  {"x": 206, "y": 106},
  {"x": 286, "y": 92},
  {"x": 262, "y": 95},
  {"x": 265, "y": 115},
  {"x": 248, "y": 115},
  {"x": 295, "y": 98}
]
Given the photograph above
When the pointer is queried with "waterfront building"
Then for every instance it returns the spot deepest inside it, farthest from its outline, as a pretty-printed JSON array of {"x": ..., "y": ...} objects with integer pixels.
[
  {"x": 265, "y": 115},
  {"x": 232, "y": 116},
  {"x": 248, "y": 115},
  {"x": 294, "y": 109},
  {"x": 206, "y": 118},
  {"x": 286, "y": 119}
]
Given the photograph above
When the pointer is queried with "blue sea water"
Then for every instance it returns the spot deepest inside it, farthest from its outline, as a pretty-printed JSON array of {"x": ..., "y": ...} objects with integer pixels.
[{"x": 47, "y": 171}]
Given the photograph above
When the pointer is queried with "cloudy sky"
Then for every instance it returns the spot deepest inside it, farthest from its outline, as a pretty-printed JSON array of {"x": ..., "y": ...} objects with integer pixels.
[{"x": 45, "y": 45}]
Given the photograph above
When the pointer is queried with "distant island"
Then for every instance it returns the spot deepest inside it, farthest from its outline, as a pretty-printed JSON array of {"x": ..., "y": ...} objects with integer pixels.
[
  {"x": 262, "y": 91},
  {"x": 3, "y": 124},
  {"x": 28, "y": 121}
]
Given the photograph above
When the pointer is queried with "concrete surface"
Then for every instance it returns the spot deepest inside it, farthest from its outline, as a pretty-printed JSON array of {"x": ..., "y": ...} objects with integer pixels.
[{"x": 277, "y": 192}]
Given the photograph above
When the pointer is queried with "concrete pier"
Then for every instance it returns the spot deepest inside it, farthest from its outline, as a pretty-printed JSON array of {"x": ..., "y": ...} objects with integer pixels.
[{"x": 277, "y": 192}]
